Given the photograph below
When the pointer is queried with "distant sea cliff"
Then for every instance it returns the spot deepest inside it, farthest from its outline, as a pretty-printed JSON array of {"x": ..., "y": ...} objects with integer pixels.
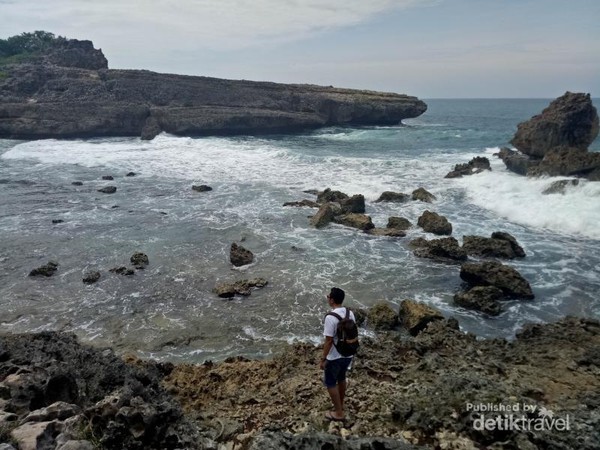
[{"x": 62, "y": 88}]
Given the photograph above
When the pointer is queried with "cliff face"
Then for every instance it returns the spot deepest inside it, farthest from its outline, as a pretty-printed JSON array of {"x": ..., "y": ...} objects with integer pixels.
[{"x": 69, "y": 93}]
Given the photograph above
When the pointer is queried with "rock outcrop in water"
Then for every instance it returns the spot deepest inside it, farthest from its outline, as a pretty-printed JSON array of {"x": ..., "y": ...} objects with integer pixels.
[
  {"x": 555, "y": 142},
  {"x": 70, "y": 92}
]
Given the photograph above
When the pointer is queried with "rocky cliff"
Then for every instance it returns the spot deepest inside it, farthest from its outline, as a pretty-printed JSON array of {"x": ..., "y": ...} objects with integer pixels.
[{"x": 70, "y": 92}]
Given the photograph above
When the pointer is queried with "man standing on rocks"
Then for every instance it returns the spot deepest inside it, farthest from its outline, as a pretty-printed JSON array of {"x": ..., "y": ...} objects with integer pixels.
[{"x": 333, "y": 363}]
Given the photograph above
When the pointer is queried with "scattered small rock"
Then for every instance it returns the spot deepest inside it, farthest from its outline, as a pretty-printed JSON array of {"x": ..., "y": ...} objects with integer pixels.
[
  {"x": 481, "y": 298},
  {"x": 399, "y": 223},
  {"x": 242, "y": 287},
  {"x": 441, "y": 250},
  {"x": 493, "y": 273},
  {"x": 57, "y": 221},
  {"x": 77, "y": 183},
  {"x": 560, "y": 187},
  {"x": 122, "y": 270},
  {"x": 302, "y": 203},
  {"x": 324, "y": 216},
  {"x": 488, "y": 247},
  {"x": 331, "y": 196},
  {"x": 239, "y": 256},
  {"x": 91, "y": 277},
  {"x": 395, "y": 197},
  {"x": 108, "y": 177},
  {"x": 108, "y": 190},
  {"x": 131, "y": 174},
  {"x": 389, "y": 232},
  {"x": 360, "y": 221},
  {"x": 201, "y": 188},
  {"x": 46, "y": 270},
  {"x": 139, "y": 260},
  {"x": 476, "y": 165}
]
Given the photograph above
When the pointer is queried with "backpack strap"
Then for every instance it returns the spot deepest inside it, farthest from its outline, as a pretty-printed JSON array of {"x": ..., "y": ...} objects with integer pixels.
[{"x": 336, "y": 315}]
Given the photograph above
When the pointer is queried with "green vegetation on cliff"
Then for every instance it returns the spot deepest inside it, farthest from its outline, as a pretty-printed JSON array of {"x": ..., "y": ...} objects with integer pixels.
[{"x": 25, "y": 46}]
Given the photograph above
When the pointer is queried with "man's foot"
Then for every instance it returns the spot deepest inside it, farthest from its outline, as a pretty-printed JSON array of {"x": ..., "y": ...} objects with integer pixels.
[{"x": 331, "y": 415}]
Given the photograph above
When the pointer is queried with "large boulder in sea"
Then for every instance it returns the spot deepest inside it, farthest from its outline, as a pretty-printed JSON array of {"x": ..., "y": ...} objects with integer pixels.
[
  {"x": 360, "y": 221},
  {"x": 47, "y": 270},
  {"x": 354, "y": 204},
  {"x": 432, "y": 222},
  {"x": 329, "y": 195},
  {"x": 493, "y": 273},
  {"x": 393, "y": 197},
  {"x": 571, "y": 120},
  {"x": 423, "y": 195},
  {"x": 516, "y": 161},
  {"x": 398, "y": 223},
  {"x": 516, "y": 247},
  {"x": 570, "y": 162},
  {"x": 324, "y": 215}
]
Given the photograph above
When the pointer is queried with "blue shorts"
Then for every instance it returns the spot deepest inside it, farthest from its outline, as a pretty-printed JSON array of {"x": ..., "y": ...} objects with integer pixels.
[{"x": 335, "y": 371}]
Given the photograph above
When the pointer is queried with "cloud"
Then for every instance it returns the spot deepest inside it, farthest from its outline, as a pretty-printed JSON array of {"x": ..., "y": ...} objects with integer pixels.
[{"x": 212, "y": 24}]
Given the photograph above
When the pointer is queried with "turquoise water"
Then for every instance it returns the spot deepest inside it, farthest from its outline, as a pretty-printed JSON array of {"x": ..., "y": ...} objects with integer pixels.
[{"x": 169, "y": 310}]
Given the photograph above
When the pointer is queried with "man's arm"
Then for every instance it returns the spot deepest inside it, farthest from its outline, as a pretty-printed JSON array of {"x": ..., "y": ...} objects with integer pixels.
[{"x": 326, "y": 347}]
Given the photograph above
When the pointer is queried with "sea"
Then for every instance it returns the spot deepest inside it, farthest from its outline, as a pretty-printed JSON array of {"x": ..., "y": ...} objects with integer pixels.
[{"x": 169, "y": 311}]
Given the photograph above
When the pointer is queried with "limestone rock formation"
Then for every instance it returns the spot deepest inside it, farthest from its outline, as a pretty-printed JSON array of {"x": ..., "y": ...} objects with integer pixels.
[
  {"x": 241, "y": 287},
  {"x": 445, "y": 250},
  {"x": 423, "y": 195},
  {"x": 381, "y": 316},
  {"x": 481, "y": 298},
  {"x": 239, "y": 256},
  {"x": 360, "y": 221},
  {"x": 139, "y": 260},
  {"x": 396, "y": 197},
  {"x": 70, "y": 92},
  {"x": 47, "y": 270},
  {"x": 415, "y": 316},
  {"x": 476, "y": 165},
  {"x": 399, "y": 223},
  {"x": 571, "y": 120}
]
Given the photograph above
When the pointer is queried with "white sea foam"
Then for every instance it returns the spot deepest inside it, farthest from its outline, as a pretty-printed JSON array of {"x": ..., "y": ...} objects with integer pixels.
[{"x": 520, "y": 200}]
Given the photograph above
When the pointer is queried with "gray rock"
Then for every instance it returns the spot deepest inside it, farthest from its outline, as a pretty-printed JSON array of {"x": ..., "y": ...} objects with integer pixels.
[
  {"x": 488, "y": 247},
  {"x": 570, "y": 162},
  {"x": 388, "y": 232},
  {"x": 47, "y": 270},
  {"x": 139, "y": 260},
  {"x": 423, "y": 195},
  {"x": 517, "y": 249},
  {"x": 91, "y": 277},
  {"x": 493, "y": 273},
  {"x": 559, "y": 187},
  {"x": 35, "y": 435},
  {"x": 481, "y": 298},
  {"x": 108, "y": 177},
  {"x": 476, "y": 165},
  {"x": 108, "y": 190},
  {"x": 445, "y": 250},
  {"x": 202, "y": 188},
  {"x": 360, "y": 221},
  {"x": 241, "y": 287},
  {"x": 571, "y": 120},
  {"x": 354, "y": 204},
  {"x": 77, "y": 445},
  {"x": 122, "y": 270},
  {"x": 239, "y": 256},
  {"x": 329, "y": 196},
  {"x": 324, "y": 216},
  {"x": 56, "y": 411},
  {"x": 130, "y": 174},
  {"x": 56, "y": 221},
  {"x": 516, "y": 162},
  {"x": 399, "y": 223},
  {"x": 77, "y": 183},
  {"x": 395, "y": 197},
  {"x": 381, "y": 316},
  {"x": 432, "y": 222},
  {"x": 302, "y": 203}
]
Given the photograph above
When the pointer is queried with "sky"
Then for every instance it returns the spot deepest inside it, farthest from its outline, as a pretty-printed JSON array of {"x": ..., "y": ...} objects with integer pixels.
[{"x": 426, "y": 48}]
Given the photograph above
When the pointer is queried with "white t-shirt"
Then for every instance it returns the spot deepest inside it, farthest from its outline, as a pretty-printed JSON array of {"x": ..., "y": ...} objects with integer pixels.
[{"x": 330, "y": 330}]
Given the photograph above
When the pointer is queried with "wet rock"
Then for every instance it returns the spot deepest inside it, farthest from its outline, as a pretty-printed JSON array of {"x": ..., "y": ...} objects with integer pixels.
[
  {"x": 423, "y": 195},
  {"x": 302, "y": 203},
  {"x": 201, "y": 188},
  {"x": 570, "y": 162},
  {"x": 389, "y": 232},
  {"x": 239, "y": 256},
  {"x": 432, "y": 222},
  {"x": 122, "y": 270},
  {"x": 560, "y": 187},
  {"x": 77, "y": 183},
  {"x": 415, "y": 316},
  {"x": 516, "y": 162},
  {"x": 108, "y": 177},
  {"x": 130, "y": 174},
  {"x": 481, "y": 298},
  {"x": 311, "y": 191},
  {"x": 488, "y": 247},
  {"x": 381, "y": 316},
  {"x": 442, "y": 250},
  {"x": 493, "y": 273},
  {"x": 241, "y": 287},
  {"x": 47, "y": 270},
  {"x": 399, "y": 223},
  {"x": 55, "y": 221},
  {"x": 354, "y": 204},
  {"x": 108, "y": 190},
  {"x": 324, "y": 216},
  {"x": 360, "y": 221},
  {"x": 571, "y": 120},
  {"x": 139, "y": 260},
  {"x": 329, "y": 196},
  {"x": 395, "y": 197},
  {"x": 517, "y": 249},
  {"x": 91, "y": 277},
  {"x": 476, "y": 165}
]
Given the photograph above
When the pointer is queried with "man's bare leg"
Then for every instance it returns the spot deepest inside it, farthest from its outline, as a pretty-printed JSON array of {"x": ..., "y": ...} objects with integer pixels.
[
  {"x": 342, "y": 390},
  {"x": 334, "y": 393}
]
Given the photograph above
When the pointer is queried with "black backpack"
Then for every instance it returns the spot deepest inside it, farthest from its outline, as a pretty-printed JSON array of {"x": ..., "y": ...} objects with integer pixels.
[{"x": 347, "y": 334}]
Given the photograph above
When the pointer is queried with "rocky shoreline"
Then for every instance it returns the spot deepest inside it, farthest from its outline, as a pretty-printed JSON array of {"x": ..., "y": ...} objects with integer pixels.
[
  {"x": 68, "y": 91},
  {"x": 423, "y": 391}
]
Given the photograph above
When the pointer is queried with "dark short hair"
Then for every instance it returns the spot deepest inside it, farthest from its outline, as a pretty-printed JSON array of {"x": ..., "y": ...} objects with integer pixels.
[{"x": 337, "y": 295}]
